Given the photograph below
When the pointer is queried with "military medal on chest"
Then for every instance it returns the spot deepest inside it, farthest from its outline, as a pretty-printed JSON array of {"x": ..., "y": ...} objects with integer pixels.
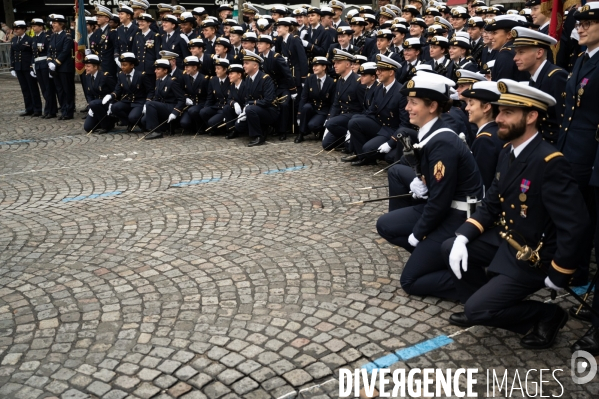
[
  {"x": 583, "y": 83},
  {"x": 524, "y": 187}
]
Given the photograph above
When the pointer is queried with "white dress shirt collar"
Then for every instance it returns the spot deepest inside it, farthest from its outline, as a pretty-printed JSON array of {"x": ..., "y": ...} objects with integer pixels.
[
  {"x": 521, "y": 147},
  {"x": 538, "y": 71},
  {"x": 426, "y": 128}
]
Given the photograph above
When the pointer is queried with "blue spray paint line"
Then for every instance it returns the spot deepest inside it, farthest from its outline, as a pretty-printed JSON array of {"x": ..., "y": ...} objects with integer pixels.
[
  {"x": 408, "y": 353},
  {"x": 194, "y": 182},
  {"x": 82, "y": 197},
  {"x": 582, "y": 289},
  {"x": 15, "y": 142},
  {"x": 294, "y": 168}
]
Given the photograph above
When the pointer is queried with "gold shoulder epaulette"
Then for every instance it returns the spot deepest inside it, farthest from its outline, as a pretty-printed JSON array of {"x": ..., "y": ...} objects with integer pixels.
[
  {"x": 506, "y": 144},
  {"x": 581, "y": 53},
  {"x": 276, "y": 55},
  {"x": 143, "y": 73},
  {"x": 265, "y": 76},
  {"x": 173, "y": 78},
  {"x": 554, "y": 155},
  {"x": 106, "y": 74},
  {"x": 334, "y": 80},
  {"x": 308, "y": 75},
  {"x": 484, "y": 134},
  {"x": 552, "y": 72},
  {"x": 358, "y": 79}
]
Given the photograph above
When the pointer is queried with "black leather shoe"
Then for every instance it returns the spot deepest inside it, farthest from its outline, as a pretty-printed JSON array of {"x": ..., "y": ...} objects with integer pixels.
[
  {"x": 256, "y": 141},
  {"x": 36, "y": 115},
  {"x": 459, "y": 319},
  {"x": 299, "y": 138},
  {"x": 50, "y": 116},
  {"x": 130, "y": 127},
  {"x": 60, "y": 117},
  {"x": 283, "y": 137},
  {"x": 25, "y": 113},
  {"x": 66, "y": 118},
  {"x": 588, "y": 343},
  {"x": 584, "y": 314},
  {"x": 350, "y": 158},
  {"x": 102, "y": 131},
  {"x": 152, "y": 136},
  {"x": 364, "y": 162},
  {"x": 231, "y": 135},
  {"x": 544, "y": 333},
  {"x": 84, "y": 116}
]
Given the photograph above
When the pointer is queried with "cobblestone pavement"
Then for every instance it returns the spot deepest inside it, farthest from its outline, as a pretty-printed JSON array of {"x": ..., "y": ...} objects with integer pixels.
[{"x": 252, "y": 281}]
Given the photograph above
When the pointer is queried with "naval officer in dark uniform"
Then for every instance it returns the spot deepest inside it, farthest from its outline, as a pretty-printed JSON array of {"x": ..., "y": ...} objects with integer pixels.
[
  {"x": 372, "y": 130},
  {"x": 195, "y": 88},
  {"x": 146, "y": 46},
  {"x": 532, "y": 51},
  {"x": 446, "y": 175},
  {"x": 500, "y": 29},
  {"x": 39, "y": 67},
  {"x": 533, "y": 200},
  {"x": 61, "y": 63},
  {"x": 21, "y": 58},
  {"x": 218, "y": 87},
  {"x": 168, "y": 101},
  {"x": 98, "y": 84},
  {"x": 317, "y": 98},
  {"x": 104, "y": 39}
]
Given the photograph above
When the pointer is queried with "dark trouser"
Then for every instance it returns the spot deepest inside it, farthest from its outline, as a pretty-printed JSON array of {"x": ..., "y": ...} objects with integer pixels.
[
  {"x": 83, "y": 87},
  {"x": 99, "y": 119},
  {"x": 65, "y": 87},
  {"x": 31, "y": 94},
  {"x": 498, "y": 301},
  {"x": 129, "y": 113},
  {"x": 362, "y": 129},
  {"x": 284, "y": 125},
  {"x": 156, "y": 114},
  {"x": 582, "y": 174},
  {"x": 190, "y": 120},
  {"x": 257, "y": 120},
  {"x": 400, "y": 177},
  {"x": 211, "y": 116},
  {"x": 310, "y": 119},
  {"x": 48, "y": 91},
  {"x": 337, "y": 127},
  {"x": 425, "y": 272}
]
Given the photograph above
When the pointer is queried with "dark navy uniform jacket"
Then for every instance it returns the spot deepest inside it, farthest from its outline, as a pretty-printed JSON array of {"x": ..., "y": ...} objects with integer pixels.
[
  {"x": 102, "y": 43},
  {"x": 350, "y": 49},
  {"x": 60, "y": 52},
  {"x": 261, "y": 91},
  {"x": 554, "y": 208},
  {"x": 505, "y": 67},
  {"x": 406, "y": 71},
  {"x": 275, "y": 66},
  {"x": 296, "y": 57},
  {"x": 147, "y": 50},
  {"x": 486, "y": 148},
  {"x": 217, "y": 93},
  {"x": 169, "y": 92},
  {"x": 235, "y": 95},
  {"x": 40, "y": 46},
  {"x": 388, "y": 109},
  {"x": 141, "y": 88},
  {"x": 322, "y": 99},
  {"x": 450, "y": 174},
  {"x": 467, "y": 63},
  {"x": 487, "y": 56},
  {"x": 366, "y": 45},
  {"x": 21, "y": 54},
  {"x": 369, "y": 94},
  {"x": 319, "y": 42},
  {"x": 580, "y": 126},
  {"x": 198, "y": 90},
  {"x": 176, "y": 44},
  {"x": 102, "y": 85},
  {"x": 477, "y": 51},
  {"x": 349, "y": 96},
  {"x": 124, "y": 40},
  {"x": 552, "y": 80}
]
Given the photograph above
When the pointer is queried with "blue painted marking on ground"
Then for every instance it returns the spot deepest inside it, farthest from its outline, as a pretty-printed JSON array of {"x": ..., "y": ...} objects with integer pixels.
[
  {"x": 408, "y": 353},
  {"x": 92, "y": 196},
  {"x": 293, "y": 168},
  {"x": 194, "y": 182},
  {"x": 15, "y": 142},
  {"x": 582, "y": 289}
]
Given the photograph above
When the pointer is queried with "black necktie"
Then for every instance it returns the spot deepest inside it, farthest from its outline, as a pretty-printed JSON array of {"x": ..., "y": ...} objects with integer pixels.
[
  {"x": 19, "y": 40},
  {"x": 129, "y": 80},
  {"x": 585, "y": 59},
  {"x": 384, "y": 91},
  {"x": 512, "y": 157},
  {"x": 531, "y": 82},
  {"x": 168, "y": 37},
  {"x": 192, "y": 79},
  {"x": 236, "y": 51},
  {"x": 126, "y": 29},
  {"x": 93, "y": 79},
  {"x": 221, "y": 82},
  {"x": 319, "y": 84}
]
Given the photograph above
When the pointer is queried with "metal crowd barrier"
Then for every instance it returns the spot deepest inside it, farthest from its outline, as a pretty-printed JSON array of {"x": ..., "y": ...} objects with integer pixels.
[{"x": 4, "y": 57}]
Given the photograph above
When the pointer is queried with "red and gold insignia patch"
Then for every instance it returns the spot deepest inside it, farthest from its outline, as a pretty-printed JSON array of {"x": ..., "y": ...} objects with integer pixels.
[{"x": 439, "y": 171}]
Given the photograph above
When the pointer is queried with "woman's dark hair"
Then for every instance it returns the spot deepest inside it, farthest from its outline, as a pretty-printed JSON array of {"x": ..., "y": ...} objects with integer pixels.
[{"x": 442, "y": 106}]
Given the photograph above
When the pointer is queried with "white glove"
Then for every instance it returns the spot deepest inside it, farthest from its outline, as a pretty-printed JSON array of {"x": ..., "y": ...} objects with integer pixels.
[
  {"x": 118, "y": 63},
  {"x": 109, "y": 109},
  {"x": 244, "y": 108},
  {"x": 549, "y": 284},
  {"x": 298, "y": 122},
  {"x": 347, "y": 136},
  {"x": 305, "y": 43},
  {"x": 303, "y": 34},
  {"x": 32, "y": 73},
  {"x": 87, "y": 51},
  {"x": 384, "y": 148},
  {"x": 171, "y": 118},
  {"x": 52, "y": 66},
  {"x": 459, "y": 256},
  {"x": 242, "y": 117},
  {"x": 13, "y": 73},
  {"x": 188, "y": 101},
  {"x": 106, "y": 98},
  {"x": 294, "y": 96},
  {"x": 418, "y": 189},
  {"x": 412, "y": 240},
  {"x": 237, "y": 108},
  {"x": 90, "y": 113},
  {"x": 143, "y": 111},
  {"x": 326, "y": 131}
]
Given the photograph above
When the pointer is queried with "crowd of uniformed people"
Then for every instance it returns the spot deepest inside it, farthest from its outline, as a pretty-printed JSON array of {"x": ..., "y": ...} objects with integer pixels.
[{"x": 488, "y": 127}]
